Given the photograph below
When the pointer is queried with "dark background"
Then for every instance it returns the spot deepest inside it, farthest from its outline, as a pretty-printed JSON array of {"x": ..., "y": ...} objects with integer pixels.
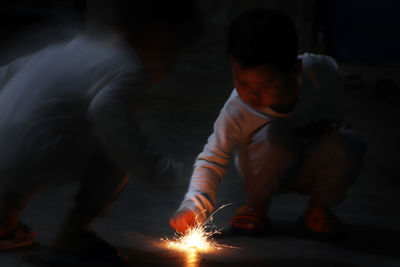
[
  {"x": 353, "y": 30},
  {"x": 364, "y": 38}
]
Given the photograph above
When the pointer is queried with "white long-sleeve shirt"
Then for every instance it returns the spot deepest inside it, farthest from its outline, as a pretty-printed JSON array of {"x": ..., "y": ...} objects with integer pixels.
[
  {"x": 319, "y": 99},
  {"x": 44, "y": 96}
]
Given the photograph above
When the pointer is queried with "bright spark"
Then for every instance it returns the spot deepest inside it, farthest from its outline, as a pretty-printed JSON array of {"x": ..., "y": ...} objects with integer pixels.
[{"x": 197, "y": 238}]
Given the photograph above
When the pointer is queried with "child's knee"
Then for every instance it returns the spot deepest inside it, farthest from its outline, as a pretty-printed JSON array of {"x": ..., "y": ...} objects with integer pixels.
[
  {"x": 346, "y": 154},
  {"x": 271, "y": 154}
]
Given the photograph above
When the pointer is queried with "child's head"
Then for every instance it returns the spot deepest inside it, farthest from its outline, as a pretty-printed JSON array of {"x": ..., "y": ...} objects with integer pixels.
[
  {"x": 262, "y": 46},
  {"x": 158, "y": 30}
]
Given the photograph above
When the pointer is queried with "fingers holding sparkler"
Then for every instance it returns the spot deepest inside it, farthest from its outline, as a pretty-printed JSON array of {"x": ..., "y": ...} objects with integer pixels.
[
  {"x": 194, "y": 231},
  {"x": 183, "y": 220}
]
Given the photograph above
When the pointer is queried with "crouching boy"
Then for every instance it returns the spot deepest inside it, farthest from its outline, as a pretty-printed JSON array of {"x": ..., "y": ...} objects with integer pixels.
[{"x": 283, "y": 124}]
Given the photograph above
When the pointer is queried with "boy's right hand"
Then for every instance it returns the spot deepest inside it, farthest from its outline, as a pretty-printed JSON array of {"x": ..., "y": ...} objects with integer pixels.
[{"x": 182, "y": 220}]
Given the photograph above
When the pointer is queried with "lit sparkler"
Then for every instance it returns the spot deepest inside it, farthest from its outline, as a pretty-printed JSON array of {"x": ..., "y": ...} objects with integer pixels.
[{"x": 197, "y": 238}]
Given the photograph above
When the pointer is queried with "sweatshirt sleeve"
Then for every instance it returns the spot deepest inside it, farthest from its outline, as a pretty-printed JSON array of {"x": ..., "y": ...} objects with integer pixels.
[
  {"x": 211, "y": 163},
  {"x": 8, "y": 71},
  {"x": 111, "y": 113}
]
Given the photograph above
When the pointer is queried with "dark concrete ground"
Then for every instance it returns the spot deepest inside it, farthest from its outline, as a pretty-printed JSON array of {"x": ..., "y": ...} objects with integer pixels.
[{"x": 178, "y": 119}]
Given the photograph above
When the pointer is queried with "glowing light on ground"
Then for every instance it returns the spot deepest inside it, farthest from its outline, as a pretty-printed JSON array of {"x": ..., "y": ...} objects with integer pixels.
[{"x": 198, "y": 238}]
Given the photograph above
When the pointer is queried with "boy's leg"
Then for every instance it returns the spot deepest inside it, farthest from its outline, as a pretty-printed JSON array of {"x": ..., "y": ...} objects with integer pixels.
[
  {"x": 101, "y": 184},
  {"x": 331, "y": 168},
  {"x": 9, "y": 215},
  {"x": 22, "y": 174},
  {"x": 268, "y": 162},
  {"x": 16, "y": 189},
  {"x": 328, "y": 171},
  {"x": 13, "y": 233}
]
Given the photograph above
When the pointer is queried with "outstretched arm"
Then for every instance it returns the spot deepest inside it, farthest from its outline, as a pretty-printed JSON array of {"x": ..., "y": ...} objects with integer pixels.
[{"x": 209, "y": 168}]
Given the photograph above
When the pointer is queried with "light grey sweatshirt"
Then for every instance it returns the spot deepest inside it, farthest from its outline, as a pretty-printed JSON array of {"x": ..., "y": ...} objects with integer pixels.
[
  {"x": 44, "y": 96},
  {"x": 319, "y": 99}
]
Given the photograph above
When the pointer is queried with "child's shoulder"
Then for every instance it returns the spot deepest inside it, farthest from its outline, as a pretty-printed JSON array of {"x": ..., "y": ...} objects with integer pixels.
[
  {"x": 233, "y": 104},
  {"x": 316, "y": 62},
  {"x": 233, "y": 108},
  {"x": 237, "y": 109}
]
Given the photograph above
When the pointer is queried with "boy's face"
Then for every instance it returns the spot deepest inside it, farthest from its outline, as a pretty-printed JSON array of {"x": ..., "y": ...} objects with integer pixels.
[{"x": 260, "y": 86}]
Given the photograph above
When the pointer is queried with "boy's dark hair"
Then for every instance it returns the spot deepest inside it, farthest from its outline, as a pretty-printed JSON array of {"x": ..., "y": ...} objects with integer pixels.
[
  {"x": 180, "y": 17},
  {"x": 264, "y": 37}
]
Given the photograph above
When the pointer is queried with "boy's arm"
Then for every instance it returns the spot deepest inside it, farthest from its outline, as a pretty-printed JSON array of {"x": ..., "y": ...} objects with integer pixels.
[{"x": 210, "y": 166}]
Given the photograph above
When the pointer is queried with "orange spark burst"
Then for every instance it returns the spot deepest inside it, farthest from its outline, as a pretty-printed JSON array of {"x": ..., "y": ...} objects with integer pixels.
[{"x": 197, "y": 238}]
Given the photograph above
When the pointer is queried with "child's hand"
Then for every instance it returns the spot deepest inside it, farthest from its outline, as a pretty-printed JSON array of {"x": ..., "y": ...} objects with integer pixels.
[{"x": 182, "y": 220}]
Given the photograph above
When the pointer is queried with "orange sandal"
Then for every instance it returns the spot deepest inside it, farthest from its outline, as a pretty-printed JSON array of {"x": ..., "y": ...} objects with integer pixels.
[
  {"x": 323, "y": 224},
  {"x": 248, "y": 221},
  {"x": 21, "y": 237}
]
